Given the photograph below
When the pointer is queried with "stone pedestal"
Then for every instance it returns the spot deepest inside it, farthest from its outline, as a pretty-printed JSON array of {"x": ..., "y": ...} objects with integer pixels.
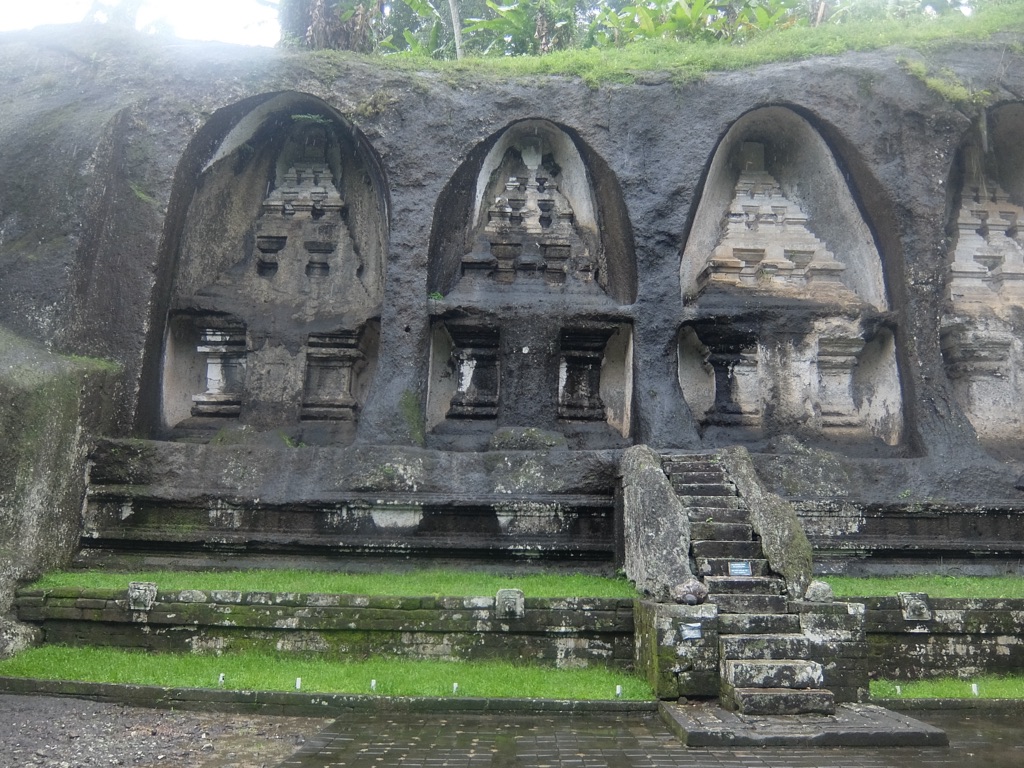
[
  {"x": 330, "y": 358},
  {"x": 837, "y": 359},
  {"x": 737, "y": 387},
  {"x": 579, "y": 374},
  {"x": 478, "y": 372},
  {"x": 224, "y": 351}
]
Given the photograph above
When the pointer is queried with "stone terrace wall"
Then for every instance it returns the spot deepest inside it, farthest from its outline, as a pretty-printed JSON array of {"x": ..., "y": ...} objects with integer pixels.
[
  {"x": 570, "y": 632},
  {"x": 961, "y": 638}
]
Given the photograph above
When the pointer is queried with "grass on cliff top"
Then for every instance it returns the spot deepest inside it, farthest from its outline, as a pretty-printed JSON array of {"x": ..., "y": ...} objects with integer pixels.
[
  {"x": 1003, "y": 587},
  {"x": 261, "y": 672},
  {"x": 989, "y": 687},
  {"x": 689, "y": 60},
  {"x": 433, "y": 582}
]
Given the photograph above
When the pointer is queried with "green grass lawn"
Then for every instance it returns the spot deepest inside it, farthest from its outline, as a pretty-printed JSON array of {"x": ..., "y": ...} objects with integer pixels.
[
  {"x": 251, "y": 671},
  {"x": 449, "y": 583},
  {"x": 1004, "y": 587},
  {"x": 989, "y": 687}
]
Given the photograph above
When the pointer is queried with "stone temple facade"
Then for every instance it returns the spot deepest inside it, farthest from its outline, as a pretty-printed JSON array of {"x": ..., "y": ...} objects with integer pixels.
[{"x": 260, "y": 303}]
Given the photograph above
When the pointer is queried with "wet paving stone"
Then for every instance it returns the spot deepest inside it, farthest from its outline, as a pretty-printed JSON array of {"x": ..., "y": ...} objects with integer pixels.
[{"x": 466, "y": 741}]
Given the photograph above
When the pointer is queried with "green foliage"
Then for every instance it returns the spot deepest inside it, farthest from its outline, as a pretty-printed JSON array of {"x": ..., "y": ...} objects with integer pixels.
[
  {"x": 1002, "y": 587},
  {"x": 435, "y": 582},
  {"x": 685, "y": 60},
  {"x": 989, "y": 687},
  {"x": 416, "y": 28},
  {"x": 260, "y": 672},
  {"x": 698, "y": 20},
  {"x": 526, "y": 27}
]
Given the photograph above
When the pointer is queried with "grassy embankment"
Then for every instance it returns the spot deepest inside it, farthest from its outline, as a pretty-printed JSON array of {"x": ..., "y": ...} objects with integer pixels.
[
  {"x": 400, "y": 677},
  {"x": 687, "y": 61},
  {"x": 412, "y": 583},
  {"x": 394, "y": 677},
  {"x": 977, "y": 587}
]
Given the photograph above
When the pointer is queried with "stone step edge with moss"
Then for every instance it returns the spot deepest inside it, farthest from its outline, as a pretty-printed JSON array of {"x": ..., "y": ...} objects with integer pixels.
[{"x": 307, "y": 704}]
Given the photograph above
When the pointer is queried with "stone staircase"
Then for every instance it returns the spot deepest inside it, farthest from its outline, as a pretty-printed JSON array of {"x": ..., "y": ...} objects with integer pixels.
[{"x": 765, "y": 665}]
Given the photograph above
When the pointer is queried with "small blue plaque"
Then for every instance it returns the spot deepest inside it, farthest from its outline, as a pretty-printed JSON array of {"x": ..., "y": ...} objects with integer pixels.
[{"x": 740, "y": 568}]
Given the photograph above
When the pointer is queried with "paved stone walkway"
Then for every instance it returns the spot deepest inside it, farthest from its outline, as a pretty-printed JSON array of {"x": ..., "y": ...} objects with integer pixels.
[{"x": 415, "y": 741}]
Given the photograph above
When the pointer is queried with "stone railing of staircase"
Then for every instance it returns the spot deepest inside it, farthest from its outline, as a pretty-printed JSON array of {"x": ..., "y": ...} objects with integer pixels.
[{"x": 755, "y": 642}]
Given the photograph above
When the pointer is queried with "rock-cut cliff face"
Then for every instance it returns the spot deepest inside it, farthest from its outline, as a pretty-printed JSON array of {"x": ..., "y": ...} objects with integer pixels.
[{"x": 814, "y": 256}]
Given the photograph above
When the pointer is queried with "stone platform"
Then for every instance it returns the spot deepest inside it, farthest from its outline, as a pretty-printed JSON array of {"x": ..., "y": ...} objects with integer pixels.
[{"x": 853, "y": 725}]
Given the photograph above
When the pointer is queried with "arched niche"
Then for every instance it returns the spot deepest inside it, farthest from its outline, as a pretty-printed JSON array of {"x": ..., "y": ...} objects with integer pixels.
[
  {"x": 794, "y": 155},
  {"x": 279, "y": 241},
  {"x": 498, "y": 183},
  {"x": 530, "y": 265},
  {"x": 787, "y": 327},
  {"x": 982, "y": 327}
]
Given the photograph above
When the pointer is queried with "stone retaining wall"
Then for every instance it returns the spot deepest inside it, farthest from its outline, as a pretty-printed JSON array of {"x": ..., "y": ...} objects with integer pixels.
[
  {"x": 570, "y": 632},
  {"x": 960, "y": 638}
]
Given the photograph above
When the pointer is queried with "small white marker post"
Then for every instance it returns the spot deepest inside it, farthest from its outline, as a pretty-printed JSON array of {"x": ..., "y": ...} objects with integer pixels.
[
  {"x": 974, "y": 688},
  {"x": 618, "y": 691},
  {"x": 373, "y": 685},
  {"x": 455, "y": 688},
  {"x": 298, "y": 683},
  {"x": 899, "y": 690},
  {"x": 220, "y": 680}
]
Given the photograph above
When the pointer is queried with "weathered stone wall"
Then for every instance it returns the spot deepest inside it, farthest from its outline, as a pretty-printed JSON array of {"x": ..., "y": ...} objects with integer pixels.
[
  {"x": 122, "y": 114},
  {"x": 112, "y": 139},
  {"x": 961, "y": 638},
  {"x": 564, "y": 633},
  {"x": 674, "y": 646},
  {"x": 677, "y": 648},
  {"x": 52, "y": 405}
]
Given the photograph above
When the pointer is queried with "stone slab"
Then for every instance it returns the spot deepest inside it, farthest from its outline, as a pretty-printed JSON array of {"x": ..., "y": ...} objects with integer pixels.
[
  {"x": 299, "y": 704},
  {"x": 853, "y": 725},
  {"x": 780, "y": 701}
]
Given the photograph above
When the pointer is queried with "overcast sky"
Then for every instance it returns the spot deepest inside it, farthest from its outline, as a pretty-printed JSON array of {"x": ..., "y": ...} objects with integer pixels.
[{"x": 232, "y": 21}]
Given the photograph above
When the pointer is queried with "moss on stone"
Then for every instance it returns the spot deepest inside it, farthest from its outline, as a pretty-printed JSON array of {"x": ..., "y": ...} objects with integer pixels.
[
  {"x": 783, "y": 540},
  {"x": 46, "y": 404},
  {"x": 656, "y": 528},
  {"x": 526, "y": 439},
  {"x": 945, "y": 83},
  {"x": 409, "y": 405}
]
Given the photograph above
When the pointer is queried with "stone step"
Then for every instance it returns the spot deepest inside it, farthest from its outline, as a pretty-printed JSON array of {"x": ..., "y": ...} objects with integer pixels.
[
  {"x": 744, "y": 585},
  {"x": 713, "y": 502},
  {"x": 715, "y": 530},
  {"x": 719, "y": 566},
  {"x": 718, "y": 514},
  {"x": 772, "y": 673},
  {"x": 766, "y": 647},
  {"x": 704, "y": 489},
  {"x": 697, "y": 476},
  {"x": 737, "y": 550},
  {"x": 688, "y": 459},
  {"x": 758, "y": 623},
  {"x": 780, "y": 701},
  {"x": 749, "y": 603}
]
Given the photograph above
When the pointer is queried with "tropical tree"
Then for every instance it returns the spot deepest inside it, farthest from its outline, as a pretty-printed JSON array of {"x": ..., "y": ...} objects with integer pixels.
[{"x": 527, "y": 27}]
